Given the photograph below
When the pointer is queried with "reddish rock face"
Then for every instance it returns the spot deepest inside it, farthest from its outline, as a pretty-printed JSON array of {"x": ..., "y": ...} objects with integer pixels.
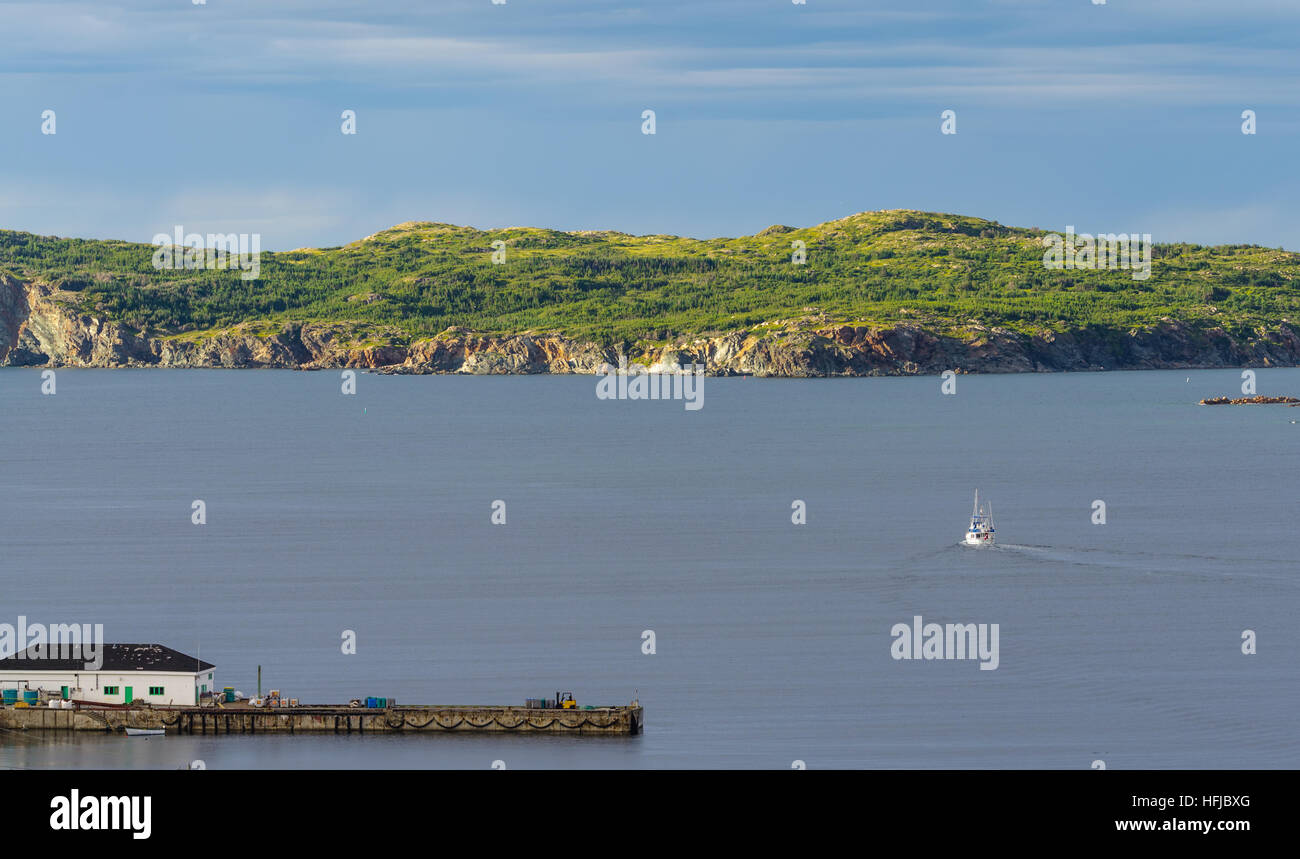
[{"x": 13, "y": 311}]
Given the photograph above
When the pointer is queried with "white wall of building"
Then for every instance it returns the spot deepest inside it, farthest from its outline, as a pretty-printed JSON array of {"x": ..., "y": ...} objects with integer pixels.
[{"x": 177, "y": 688}]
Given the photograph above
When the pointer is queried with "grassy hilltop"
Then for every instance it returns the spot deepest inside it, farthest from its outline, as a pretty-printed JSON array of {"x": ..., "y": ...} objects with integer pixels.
[{"x": 417, "y": 279}]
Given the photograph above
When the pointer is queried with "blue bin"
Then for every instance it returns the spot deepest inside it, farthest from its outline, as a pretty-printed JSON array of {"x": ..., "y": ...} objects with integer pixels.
[
  {"x": 31, "y": 696},
  {"x": 10, "y": 696}
]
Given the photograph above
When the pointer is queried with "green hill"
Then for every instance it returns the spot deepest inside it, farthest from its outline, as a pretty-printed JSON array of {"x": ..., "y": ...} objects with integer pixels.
[{"x": 875, "y": 268}]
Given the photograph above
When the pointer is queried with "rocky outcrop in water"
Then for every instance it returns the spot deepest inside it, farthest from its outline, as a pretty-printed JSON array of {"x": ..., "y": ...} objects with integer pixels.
[
  {"x": 1250, "y": 401},
  {"x": 38, "y": 327}
]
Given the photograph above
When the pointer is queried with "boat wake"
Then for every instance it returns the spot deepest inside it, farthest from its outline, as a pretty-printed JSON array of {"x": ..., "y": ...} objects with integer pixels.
[{"x": 1145, "y": 562}]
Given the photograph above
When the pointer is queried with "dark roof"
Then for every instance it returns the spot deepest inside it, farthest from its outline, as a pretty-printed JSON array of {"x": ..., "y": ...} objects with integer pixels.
[{"x": 116, "y": 657}]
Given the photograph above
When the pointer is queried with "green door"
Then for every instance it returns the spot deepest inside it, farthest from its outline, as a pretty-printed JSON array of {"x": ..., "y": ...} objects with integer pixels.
[
  {"x": 128, "y": 694},
  {"x": 65, "y": 693}
]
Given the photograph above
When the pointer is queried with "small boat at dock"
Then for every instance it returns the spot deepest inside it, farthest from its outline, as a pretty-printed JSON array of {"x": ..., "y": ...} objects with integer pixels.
[{"x": 144, "y": 732}]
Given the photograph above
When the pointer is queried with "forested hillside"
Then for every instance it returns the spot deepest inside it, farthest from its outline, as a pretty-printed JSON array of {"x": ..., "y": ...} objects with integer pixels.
[{"x": 877, "y": 268}]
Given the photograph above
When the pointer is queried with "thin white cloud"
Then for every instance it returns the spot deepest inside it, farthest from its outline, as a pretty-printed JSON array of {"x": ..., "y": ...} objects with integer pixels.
[{"x": 251, "y": 44}]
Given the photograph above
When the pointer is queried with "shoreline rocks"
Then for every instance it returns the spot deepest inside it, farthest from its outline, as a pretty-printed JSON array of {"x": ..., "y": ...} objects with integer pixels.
[{"x": 38, "y": 329}]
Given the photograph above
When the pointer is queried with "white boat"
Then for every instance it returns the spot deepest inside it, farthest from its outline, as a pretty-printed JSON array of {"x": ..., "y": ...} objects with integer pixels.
[
  {"x": 144, "y": 732},
  {"x": 980, "y": 532}
]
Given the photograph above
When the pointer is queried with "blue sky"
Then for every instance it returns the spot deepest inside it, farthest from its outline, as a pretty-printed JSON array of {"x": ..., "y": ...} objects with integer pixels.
[{"x": 225, "y": 117}]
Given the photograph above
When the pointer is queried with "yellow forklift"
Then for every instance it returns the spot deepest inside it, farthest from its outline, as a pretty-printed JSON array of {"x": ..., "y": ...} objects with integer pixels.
[{"x": 565, "y": 701}]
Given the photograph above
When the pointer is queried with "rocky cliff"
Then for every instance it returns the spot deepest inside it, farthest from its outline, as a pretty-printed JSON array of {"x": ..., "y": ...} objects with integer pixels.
[{"x": 40, "y": 327}]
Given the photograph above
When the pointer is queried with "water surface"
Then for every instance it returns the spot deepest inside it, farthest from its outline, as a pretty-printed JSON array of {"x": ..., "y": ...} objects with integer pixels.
[{"x": 371, "y": 513}]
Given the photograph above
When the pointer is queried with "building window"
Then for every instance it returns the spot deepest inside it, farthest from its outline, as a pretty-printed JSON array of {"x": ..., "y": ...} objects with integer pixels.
[
  {"x": 156, "y": 690},
  {"x": 110, "y": 690}
]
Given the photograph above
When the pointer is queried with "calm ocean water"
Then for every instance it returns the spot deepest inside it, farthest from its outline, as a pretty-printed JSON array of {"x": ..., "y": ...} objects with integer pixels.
[{"x": 1119, "y": 642}]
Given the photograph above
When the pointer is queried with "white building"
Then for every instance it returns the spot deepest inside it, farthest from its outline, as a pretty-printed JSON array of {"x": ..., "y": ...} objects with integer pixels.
[{"x": 127, "y": 672}]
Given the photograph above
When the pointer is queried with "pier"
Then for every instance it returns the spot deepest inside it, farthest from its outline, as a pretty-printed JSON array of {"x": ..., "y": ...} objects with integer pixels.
[{"x": 329, "y": 719}]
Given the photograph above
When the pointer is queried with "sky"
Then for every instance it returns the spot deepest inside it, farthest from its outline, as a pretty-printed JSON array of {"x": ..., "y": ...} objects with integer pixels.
[{"x": 225, "y": 116}]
